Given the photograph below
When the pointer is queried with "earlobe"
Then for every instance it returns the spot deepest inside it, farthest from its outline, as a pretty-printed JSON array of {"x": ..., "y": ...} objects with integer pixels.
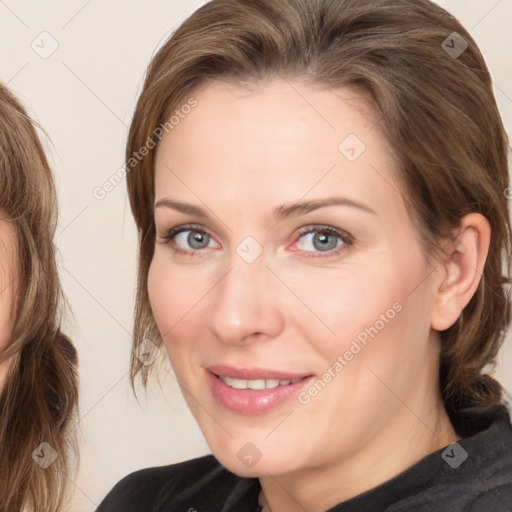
[{"x": 462, "y": 270}]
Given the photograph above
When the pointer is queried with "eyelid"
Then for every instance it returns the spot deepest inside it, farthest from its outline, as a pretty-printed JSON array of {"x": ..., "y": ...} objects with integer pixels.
[
  {"x": 324, "y": 228},
  {"x": 347, "y": 239},
  {"x": 185, "y": 227}
]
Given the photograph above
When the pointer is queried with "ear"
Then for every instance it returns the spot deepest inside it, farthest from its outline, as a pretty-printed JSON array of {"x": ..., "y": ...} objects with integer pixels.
[{"x": 462, "y": 270}]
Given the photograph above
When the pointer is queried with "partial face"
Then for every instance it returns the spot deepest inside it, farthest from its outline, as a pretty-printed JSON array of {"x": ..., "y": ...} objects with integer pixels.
[
  {"x": 288, "y": 281},
  {"x": 8, "y": 275}
]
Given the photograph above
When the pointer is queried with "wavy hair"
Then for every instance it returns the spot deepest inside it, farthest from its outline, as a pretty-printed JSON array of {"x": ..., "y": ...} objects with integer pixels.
[
  {"x": 40, "y": 392},
  {"x": 435, "y": 101}
]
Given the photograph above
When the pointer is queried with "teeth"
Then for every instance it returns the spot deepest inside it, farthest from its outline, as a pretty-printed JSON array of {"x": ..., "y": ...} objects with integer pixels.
[
  {"x": 256, "y": 384},
  {"x": 272, "y": 383}
]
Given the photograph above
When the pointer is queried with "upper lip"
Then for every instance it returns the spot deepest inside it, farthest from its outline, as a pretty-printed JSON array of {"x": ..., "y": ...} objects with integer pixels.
[{"x": 254, "y": 373}]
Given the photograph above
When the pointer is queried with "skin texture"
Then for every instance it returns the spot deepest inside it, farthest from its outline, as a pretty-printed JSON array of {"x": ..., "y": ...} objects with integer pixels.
[
  {"x": 7, "y": 291},
  {"x": 239, "y": 155}
]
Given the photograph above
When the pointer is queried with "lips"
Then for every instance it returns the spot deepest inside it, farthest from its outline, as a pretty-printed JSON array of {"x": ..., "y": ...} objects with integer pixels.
[
  {"x": 254, "y": 373},
  {"x": 253, "y": 391}
]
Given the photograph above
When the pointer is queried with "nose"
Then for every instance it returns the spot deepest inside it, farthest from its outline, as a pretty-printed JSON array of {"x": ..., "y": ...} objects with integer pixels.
[{"x": 245, "y": 304}]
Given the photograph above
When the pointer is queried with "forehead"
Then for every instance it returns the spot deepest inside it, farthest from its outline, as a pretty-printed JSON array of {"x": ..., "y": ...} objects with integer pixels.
[{"x": 279, "y": 138}]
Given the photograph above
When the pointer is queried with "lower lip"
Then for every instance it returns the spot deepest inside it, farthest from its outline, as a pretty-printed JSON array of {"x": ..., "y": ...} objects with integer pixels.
[{"x": 252, "y": 402}]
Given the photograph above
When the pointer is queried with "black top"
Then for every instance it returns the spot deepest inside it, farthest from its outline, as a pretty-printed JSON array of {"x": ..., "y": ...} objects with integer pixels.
[{"x": 444, "y": 481}]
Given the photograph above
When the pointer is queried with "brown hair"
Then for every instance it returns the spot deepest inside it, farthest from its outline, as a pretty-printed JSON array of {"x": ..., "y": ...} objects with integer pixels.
[
  {"x": 436, "y": 108},
  {"x": 40, "y": 394}
]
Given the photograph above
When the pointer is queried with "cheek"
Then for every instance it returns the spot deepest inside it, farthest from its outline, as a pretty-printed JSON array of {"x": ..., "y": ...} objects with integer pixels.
[
  {"x": 7, "y": 322},
  {"x": 162, "y": 287},
  {"x": 334, "y": 307},
  {"x": 7, "y": 300},
  {"x": 7, "y": 319},
  {"x": 381, "y": 302},
  {"x": 175, "y": 296}
]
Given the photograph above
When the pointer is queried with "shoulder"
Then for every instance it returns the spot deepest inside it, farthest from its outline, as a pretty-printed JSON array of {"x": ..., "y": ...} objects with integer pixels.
[
  {"x": 497, "y": 499},
  {"x": 487, "y": 472},
  {"x": 483, "y": 482},
  {"x": 471, "y": 475},
  {"x": 189, "y": 484}
]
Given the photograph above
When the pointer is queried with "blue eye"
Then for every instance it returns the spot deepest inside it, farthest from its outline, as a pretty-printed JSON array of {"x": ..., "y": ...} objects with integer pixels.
[
  {"x": 188, "y": 239},
  {"x": 320, "y": 241},
  {"x": 323, "y": 239},
  {"x": 193, "y": 238}
]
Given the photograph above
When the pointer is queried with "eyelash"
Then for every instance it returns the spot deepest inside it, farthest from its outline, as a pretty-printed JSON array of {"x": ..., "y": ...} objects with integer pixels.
[
  {"x": 346, "y": 238},
  {"x": 176, "y": 231}
]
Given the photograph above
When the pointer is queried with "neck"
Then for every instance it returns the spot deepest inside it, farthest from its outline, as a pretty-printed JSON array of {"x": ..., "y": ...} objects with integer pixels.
[{"x": 316, "y": 489}]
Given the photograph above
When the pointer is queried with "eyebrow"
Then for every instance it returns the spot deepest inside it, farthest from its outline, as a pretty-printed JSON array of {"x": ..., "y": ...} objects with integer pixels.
[
  {"x": 281, "y": 212},
  {"x": 303, "y": 207}
]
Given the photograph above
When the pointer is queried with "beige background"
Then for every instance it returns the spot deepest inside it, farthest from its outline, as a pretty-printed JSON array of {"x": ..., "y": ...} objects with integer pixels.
[{"x": 83, "y": 94}]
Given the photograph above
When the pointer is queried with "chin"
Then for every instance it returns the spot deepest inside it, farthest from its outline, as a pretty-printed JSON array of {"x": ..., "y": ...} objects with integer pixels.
[
  {"x": 261, "y": 468},
  {"x": 248, "y": 461}
]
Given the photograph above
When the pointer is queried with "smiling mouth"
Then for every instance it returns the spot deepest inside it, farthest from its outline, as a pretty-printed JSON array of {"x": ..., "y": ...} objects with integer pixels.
[
  {"x": 253, "y": 391},
  {"x": 256, "y": 384}
]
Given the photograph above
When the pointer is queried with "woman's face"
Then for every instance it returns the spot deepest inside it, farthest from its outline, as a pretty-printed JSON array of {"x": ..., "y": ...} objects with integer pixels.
[
  {"x": 8, "y": 275},
  {"x": 295, "y": 262}
]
